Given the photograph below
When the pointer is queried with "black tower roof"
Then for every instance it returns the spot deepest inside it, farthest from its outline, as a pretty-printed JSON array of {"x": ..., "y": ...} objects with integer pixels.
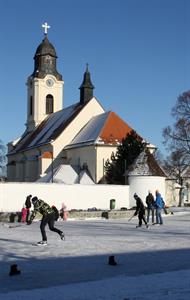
[
  {"x": 45, "y": 60},
  {"x": 45, "y": 48},
  {"x": 86, "y": 88}
]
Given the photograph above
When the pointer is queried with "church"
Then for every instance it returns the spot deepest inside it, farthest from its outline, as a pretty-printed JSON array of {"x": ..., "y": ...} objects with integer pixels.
[{"x": 82, "y": 136}]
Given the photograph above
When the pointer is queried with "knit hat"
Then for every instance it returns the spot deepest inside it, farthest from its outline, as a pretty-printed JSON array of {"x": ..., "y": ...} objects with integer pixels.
[{"x": 34, "y": 199}]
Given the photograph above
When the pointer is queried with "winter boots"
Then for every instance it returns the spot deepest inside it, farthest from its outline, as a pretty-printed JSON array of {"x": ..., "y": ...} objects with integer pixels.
[
  {"x": 14, "y": 271},
  {"x": 111, "y": 261}
]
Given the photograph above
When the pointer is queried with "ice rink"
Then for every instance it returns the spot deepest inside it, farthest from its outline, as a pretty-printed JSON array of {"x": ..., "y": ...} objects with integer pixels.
[{"x": 152, "y": 263}]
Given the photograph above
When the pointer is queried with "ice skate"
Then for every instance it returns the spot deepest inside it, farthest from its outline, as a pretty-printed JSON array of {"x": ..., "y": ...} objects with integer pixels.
[
  {"x": 62, "y": 236},
  {"x": 42, "y": 243}
]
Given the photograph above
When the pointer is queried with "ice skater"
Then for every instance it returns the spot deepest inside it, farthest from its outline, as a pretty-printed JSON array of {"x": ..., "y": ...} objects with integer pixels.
[
  {"x": 140, "y": 211},
  {"x": 48, "y": 218},
  {"x": 150, "y": 206}
]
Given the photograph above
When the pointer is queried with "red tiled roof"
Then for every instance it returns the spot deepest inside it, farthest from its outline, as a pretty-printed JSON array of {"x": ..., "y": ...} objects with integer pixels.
[
  {"x": 114, "y": 129},
  {"x": 106, "y": 128}
]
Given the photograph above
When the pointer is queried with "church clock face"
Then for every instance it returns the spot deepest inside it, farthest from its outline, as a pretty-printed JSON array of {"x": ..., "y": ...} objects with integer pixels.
[{"x": 49, "y": 82}]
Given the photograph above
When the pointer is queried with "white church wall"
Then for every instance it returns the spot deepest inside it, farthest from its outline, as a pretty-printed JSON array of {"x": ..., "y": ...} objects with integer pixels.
[
  {"x": 91, "y": 109},
  {"x": 13, "y": 195},
  {"x": 94, "y": 156},
  {"x": 142, "y": 184},
  {"x": 11, "y": 172},
  {"x": 103, "y": 153},
  {"x": 44, "y": 165},
  {"x": 83, "y": 155}
]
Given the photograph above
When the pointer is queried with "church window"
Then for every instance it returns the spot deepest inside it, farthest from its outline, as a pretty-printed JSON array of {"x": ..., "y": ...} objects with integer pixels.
[
  {"x": 31, "y": 105},
  {"x": 49, "y": 104}
]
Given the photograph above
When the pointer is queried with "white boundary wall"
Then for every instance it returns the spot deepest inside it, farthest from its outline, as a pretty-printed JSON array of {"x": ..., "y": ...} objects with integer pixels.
[
  {"x": 13, "y": 195},
  {"x": 142, "y": 184}
]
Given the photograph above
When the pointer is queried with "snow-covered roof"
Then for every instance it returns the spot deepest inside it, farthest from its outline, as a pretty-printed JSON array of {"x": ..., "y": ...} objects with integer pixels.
[
  {"x": 105, "y": 128},
  {"x": 145, "y": 165},
  {"x": 49, "y": 129},
  {"x": 67, "y": 175}
]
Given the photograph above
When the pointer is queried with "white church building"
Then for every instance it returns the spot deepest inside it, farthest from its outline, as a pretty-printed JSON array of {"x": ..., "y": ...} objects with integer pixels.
[
  {"x": 76, "y": 139},
  {"x": 83, "y": 135}
]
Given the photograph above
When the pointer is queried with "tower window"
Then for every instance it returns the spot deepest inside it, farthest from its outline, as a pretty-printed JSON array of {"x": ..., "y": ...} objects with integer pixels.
[
  {"x": 49, "y": 104},
  {"x": 31, "y": 106}
]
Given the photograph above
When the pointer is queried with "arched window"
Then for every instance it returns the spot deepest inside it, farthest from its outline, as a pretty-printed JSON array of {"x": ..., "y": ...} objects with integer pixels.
[
  {"x": 49, "y": 104},
  {"x": 31, "y": 106}
]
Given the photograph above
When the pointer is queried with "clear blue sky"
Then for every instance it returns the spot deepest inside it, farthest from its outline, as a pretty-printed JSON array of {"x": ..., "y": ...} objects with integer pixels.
[{"x": 138, "y": 54}]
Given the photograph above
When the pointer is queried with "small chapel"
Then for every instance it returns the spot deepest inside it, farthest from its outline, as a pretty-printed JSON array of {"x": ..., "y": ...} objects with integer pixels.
[{"x": 80, "y": 137}]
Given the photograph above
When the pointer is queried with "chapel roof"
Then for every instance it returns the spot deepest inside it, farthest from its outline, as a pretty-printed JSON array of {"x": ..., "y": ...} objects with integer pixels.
[{"x": 145, "y": 165}]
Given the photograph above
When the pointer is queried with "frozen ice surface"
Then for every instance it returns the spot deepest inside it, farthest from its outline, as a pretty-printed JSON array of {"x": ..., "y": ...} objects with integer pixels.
[{"x": 153, "y": 263}]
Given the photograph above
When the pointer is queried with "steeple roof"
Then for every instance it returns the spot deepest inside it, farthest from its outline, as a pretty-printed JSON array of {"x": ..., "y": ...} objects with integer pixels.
[
  {"x": 45, "y": 60},
  {"x": 86, "y": 88},
  {"x": 87, "y": 80},
  {"x": 45, "y": 48}
]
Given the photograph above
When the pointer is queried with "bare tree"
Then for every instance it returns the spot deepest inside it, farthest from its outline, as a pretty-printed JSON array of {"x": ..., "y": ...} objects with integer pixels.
[
  {"x": 177, "y": 140},
  {"x": 174, "y": 165},
  {"x": 177, "y": 137}
]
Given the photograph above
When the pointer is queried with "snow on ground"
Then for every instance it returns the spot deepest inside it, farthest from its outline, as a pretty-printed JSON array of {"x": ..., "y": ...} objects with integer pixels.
[{"x": 153, "y": 263}]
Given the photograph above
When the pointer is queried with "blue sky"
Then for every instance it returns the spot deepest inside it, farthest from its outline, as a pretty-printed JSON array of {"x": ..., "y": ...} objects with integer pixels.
[{"x": 138, "y": 54}]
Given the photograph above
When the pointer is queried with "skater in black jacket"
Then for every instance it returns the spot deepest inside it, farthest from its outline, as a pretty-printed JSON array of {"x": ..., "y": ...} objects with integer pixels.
[
  {"x": 150, "y": 206},
  {"x": 140, "y": 210}
]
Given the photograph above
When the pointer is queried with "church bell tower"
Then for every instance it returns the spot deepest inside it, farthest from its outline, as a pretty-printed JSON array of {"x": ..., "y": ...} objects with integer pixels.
[{"x": 44, "y": 85}]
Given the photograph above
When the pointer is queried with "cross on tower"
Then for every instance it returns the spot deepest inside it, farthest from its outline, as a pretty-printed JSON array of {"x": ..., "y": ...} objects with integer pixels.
[{"x": 46, "y": 27}]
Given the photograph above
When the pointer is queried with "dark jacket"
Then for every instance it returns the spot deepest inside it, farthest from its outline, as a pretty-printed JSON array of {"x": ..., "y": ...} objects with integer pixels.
[
  {"x": 28, "y": 201},
  {"x": 42, "y": 207},
  {"x": 140, "y": 208},
  {"x": 150, "y": 201}
]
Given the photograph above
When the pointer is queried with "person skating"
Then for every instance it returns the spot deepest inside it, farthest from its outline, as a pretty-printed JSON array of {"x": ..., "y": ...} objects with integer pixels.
[
  {"x": 140, "y": 210},
  {"x": 150, "y": 206},
  {"x": 48, "y": 218}
]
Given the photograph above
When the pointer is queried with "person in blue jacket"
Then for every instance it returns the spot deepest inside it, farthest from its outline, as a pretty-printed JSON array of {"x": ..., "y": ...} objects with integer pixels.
[{"x": 159, "y": 204}]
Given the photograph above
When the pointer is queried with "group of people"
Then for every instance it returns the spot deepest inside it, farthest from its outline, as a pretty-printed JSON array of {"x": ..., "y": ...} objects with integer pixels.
[
  {"x": 153, "y": 205},
  {"x": 49, "y": 216}
]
